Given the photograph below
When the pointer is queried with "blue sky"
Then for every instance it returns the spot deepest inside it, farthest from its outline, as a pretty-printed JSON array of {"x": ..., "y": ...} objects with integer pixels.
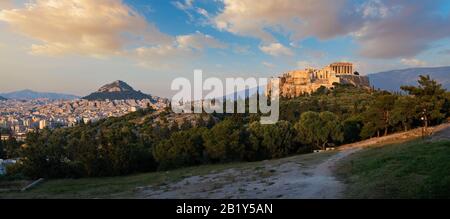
[{"x": 75, "y": 46}]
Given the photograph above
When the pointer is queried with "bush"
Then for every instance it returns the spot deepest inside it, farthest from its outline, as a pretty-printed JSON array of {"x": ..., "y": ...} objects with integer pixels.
[
  {"x": 271, "y": 141},
  {"x": 225, "y": 142},
  {"x": 181, "y": 149}
]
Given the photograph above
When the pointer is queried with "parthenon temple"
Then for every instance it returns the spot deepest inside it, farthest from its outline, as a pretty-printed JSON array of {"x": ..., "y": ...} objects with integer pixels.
[{"x": 342, "y": 68}]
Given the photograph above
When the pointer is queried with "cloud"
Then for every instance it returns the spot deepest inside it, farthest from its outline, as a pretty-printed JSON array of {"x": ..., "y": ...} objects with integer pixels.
[
  {"x": 203, "y": 12},
  {"x": 407, "y": 28},
  {"x": 255, "y": 18},
  {"x": 101, "y": 28},
  {"x": 185, "y": 47},
  {"x": 276, "y": 49},
  {"x": 188, "y": 7},
  {"x": 95, "y": 28},
  {"x": 161, "y": 57},
  {"x": 199, "y": 41},
  {"x": 184, "y": 5},
  {"x": 268, "y": 64},
  {"x": 413, "y": 62},
  {"x": 374, "y": 9},
  {"x": 6, "y": 4},
  {"x": 383, "y": 28}
]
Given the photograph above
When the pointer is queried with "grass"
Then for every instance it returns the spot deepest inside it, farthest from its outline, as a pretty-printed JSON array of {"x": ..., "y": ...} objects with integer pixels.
[
  {"x": 127, "y": 186},
  {"x": 411, "y": 170},
  {"x": 113, "y": 187}
]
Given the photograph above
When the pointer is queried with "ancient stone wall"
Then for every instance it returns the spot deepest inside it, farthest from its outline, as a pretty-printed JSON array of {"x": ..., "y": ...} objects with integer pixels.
[{"x": 296, "y": 83}]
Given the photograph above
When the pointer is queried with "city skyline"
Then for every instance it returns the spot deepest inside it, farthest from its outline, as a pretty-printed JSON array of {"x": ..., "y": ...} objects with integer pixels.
[{"x": 78, "y": 45}]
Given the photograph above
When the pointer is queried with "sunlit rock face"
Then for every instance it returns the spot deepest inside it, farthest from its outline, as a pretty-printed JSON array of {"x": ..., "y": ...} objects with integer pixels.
[{"x": 298, "y": 82}]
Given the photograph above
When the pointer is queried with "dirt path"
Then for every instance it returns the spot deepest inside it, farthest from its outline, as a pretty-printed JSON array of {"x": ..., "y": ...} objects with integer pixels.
[{"x": 304, "y": 176}]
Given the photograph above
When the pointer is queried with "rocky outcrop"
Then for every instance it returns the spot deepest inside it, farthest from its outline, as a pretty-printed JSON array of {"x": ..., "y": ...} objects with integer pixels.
[
  {"x": 118, "y": 90},
  {"x": 355, "y": 80},
  {"x": 299, "y": 82}
]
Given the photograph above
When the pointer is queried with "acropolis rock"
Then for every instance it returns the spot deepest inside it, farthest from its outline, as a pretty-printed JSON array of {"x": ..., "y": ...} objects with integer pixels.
[{"x": 298, "y": 82}]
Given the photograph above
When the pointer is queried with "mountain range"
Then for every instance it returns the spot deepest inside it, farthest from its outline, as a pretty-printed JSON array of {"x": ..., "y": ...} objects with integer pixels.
[
  {"x": 393, "y": 80},
  {"x": 118, "y": 90},
  {"x": 29, "y": 95}
]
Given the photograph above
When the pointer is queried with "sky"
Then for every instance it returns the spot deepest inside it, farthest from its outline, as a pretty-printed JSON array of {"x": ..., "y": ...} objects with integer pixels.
[{"x": 76, "y": 46}]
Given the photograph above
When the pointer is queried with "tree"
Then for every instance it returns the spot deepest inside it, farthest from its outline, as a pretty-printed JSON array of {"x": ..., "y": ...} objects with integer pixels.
[
  {"x": 385, "y": 104},
  {"x": 319, "y": 129},
  {"x": 271, "y": 141},
  {"x": 378, "y": 116},
  {"x": 225, "y": 141},
  {"x": 431, "y": 99},
  {"x": 404, "y": 112},
  {"x": 2, "y": 150},
  {"x": 185, "y": 124},
  {"x": 352, "y": 129},
  {"x": 181, "y": 149}
]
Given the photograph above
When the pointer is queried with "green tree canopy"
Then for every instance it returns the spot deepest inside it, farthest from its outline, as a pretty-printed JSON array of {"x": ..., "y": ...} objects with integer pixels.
[
  {"x": 319, "y": 129},
  {"x": 431, "y": 99}
]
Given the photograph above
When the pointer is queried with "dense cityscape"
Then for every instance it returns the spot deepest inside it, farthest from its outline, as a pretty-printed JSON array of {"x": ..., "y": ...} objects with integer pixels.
[{"x": 22, "y": 116}]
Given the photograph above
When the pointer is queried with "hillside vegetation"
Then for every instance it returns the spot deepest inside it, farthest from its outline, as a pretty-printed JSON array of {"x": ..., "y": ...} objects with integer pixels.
[
  {"x": 148, "y": 141},
  {"x": 417, "y": 169}
]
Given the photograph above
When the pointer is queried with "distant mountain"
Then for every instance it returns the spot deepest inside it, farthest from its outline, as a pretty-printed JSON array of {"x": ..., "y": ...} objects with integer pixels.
[
  {"x": 29, "y": 95},
  {"x": 242, "y": 94},
  {"x": 2, "y": 98},
  {"x": 118, "y": 90},
  {"x": 393, "y": 80}
]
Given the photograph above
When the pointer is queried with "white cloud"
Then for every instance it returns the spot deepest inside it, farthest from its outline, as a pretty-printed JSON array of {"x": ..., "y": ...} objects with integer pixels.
[
  {"x": 413, "y": 62},
  {"x": 199, "y": 41},
  {"x": 101, "y": 28},
  {"x": 203, "y": 12},
  {"x": 321, "y": 18},
  {"x": 268, "y": 64},
  {"x": 185, "y": 47},
  {"x": 374, "y": 9},
  {"x": 276, "y": 49},
  {"x": 383, "y": 28},
  {"x": 96, "y": 28},
  {"x": 183, "y": 5}
]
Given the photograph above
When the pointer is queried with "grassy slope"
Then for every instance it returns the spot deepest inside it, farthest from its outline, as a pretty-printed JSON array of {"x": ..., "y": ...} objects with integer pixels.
[
  {"x": 125, "y": 186},
  {"x": 416, "y": 169},
  {"x": 110, "y": 187}
]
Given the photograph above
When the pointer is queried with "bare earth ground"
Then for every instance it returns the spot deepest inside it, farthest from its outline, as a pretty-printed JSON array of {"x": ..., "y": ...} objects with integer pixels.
[{"x": 306, "y": 176}]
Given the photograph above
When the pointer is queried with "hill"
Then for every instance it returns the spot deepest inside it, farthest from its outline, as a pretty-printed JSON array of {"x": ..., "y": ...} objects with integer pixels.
[
  {"x": 220, "y": 180},
  {"x": 118, "y": 90},
  {"x": 2, "y": 98},
  {"x": 29, "y": 95},
  {"x": 413, "y": 170},
  {"x": 392, "y": 80}
]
